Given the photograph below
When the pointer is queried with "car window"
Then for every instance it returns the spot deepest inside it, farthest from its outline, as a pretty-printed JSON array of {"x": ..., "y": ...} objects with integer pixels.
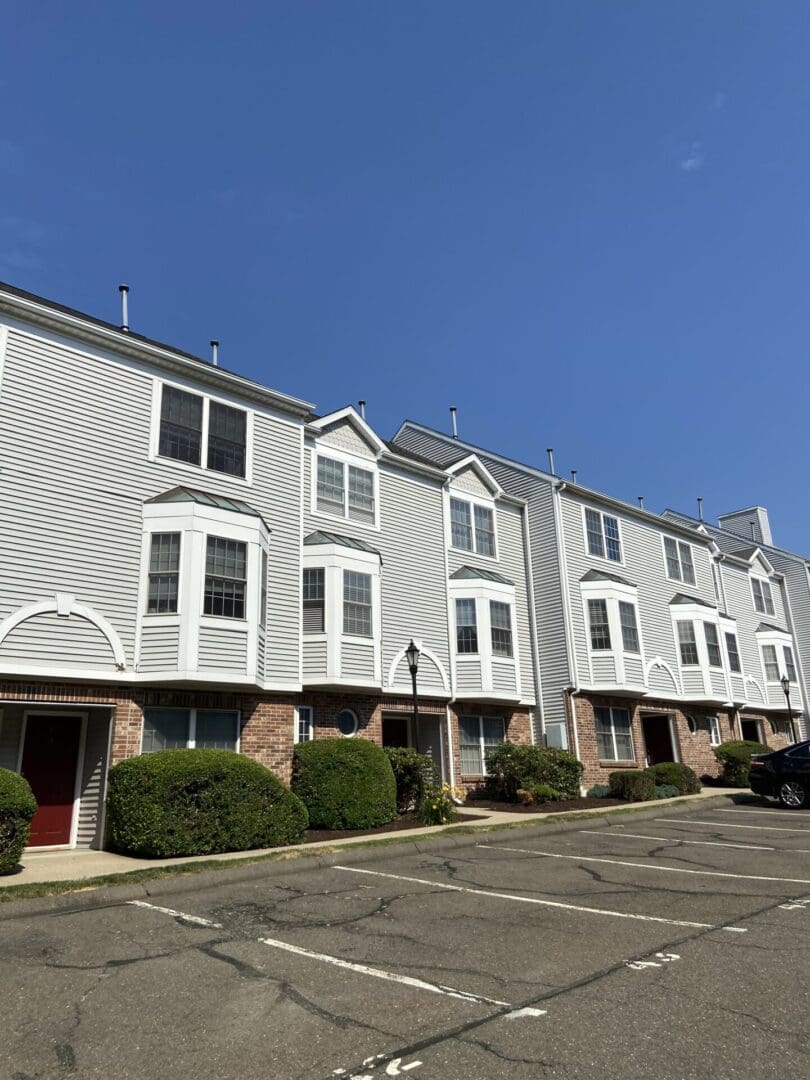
[{"x": 800, "y": 751}]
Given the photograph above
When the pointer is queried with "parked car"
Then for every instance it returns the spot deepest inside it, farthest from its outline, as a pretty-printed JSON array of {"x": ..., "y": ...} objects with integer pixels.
[{"x": 784, "y": 775}]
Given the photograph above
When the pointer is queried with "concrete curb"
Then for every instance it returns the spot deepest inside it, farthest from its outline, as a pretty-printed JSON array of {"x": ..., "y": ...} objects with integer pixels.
[{"x": 300, "y": 859}]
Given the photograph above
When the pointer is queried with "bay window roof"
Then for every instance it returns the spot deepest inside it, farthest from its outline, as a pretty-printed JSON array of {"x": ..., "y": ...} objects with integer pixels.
[
  {"x": 205, "y": 498},
  {"x": 682, "y": 598},
  {"x": 322, "y": 537},
  {"x": 603, "y": 575},
  {"x": 471, "y": 572}
]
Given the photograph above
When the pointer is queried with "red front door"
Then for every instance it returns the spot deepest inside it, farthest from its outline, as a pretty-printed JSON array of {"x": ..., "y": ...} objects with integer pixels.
[{"x": 49, "y": 763}]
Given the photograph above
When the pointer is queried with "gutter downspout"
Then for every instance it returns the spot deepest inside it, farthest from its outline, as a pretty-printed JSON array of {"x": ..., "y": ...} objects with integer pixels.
[
  {"x": 566, "y": 598},
  {"x": 535, "y": 641},
  {"x": 797, "y": 660}
]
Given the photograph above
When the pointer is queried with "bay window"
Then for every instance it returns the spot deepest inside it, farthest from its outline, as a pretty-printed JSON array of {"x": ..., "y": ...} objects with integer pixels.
[
  {"x": 687, "y": 644},
  {"x": 164, "y": 573},
  {"x": 356, "y": 604},
  {"x": 466, "y": 625},
  {"x": 225, "y": 578}
]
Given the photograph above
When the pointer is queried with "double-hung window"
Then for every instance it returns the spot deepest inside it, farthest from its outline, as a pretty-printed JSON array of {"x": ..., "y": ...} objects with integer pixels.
[
  {"x": 345, "y": 490},
  {"x": 733, "y": 653},
  {"x": 679, "y": 561},
  {"x": 714, "y": 730},
  {"x": 181, "y": 431},
  {"x": 314, "y": 600},
  {"x": 603, "y": 535},
  {"x": 164, "y": 573},
  {"x": 466, "y": 626},
  {"x": 713, "y": 645},
  {"x": 687, "y": 644},
  {"x": 600, "y": 629},
  {"x": 304, "y": 725},
  {"x": 472, "y": 527},
  {"x": 614, "y": 737},
  {"x": 225, "y": 578},
  {"x": 627, "y": 618},
  {"x": 172, "y": 729},
  {"x": 763, "y": 598},
  {"x": 356, "y": 604},
  {"x": 478, "y": 734},
  {"x": 790, "y": 667},
  {"x": 500, "y": 618},
  {"x": 771, "y": 663}
]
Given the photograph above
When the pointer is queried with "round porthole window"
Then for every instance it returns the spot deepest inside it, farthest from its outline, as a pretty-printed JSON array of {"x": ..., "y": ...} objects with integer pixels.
[{"x": 347, "y": 723}]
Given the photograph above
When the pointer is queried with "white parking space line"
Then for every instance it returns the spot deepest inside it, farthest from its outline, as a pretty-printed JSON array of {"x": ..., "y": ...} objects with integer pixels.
[
  {"x": 677, "y": 840},
  {"x": 646, "y": 866},
  {"x": 336, "y": 961},
  {"x": 727, "y": 825},
  {"x": 544, "y": 903},
  {"x": 773, "y": 813}
]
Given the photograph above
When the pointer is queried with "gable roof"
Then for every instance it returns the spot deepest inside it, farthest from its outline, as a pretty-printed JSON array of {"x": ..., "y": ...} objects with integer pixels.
[
  {"x": 353, "y": 417},
  {"x": 473, "y": 462}
]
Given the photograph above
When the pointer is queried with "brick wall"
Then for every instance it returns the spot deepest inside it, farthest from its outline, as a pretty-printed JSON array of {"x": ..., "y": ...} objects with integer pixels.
[{"x": 517, "y": 729}]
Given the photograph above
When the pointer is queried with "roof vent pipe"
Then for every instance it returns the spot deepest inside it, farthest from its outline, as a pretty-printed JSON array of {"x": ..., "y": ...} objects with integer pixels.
[
  {"x": 700, "y": 508},
  {"x": 124, "y": 290},
  {"x": 362, "y": 405},
  {"x": 214, "y": 352},
  {"x": 453, "y": 421},
  {"x": 574, "y": 475},
  {"x": 550, "y": 452},
  {"x": 641, "y": 501}
]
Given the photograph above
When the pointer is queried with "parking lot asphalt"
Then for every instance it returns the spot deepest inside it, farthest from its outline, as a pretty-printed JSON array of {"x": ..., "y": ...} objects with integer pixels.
[{"x": 671, "y": 948}]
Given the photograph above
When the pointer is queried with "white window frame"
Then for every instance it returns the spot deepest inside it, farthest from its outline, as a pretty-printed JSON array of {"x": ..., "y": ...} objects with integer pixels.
[
  {"x": 767, "y": 590},
  {"x": 482, "y": 591},
  {"x": 297, "y": 718},
  {"x": 231, "y": 620},
  {"x": 346, "y": 459},
  {"x": 678, "y": 545},
  {"x": 480, "y": 717},
  {"x": 613, "y": 709},
  {"x": 191, "y": 741},
  {"x": 602, "y": 515},
  {"x": 713, "y": 725},
  {"x": 731, "y": 628},
  {"x": 472, "y": 501},
  {"x": 355, "y": 718},
  {"x": 613, "y": 592},
  {"x": 202, "y": 468}
]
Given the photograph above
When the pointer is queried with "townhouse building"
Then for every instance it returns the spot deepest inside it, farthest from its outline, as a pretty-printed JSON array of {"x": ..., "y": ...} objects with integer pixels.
[
  {"x": 193, "y": 559},
  {"x": 652, "y": 644}
]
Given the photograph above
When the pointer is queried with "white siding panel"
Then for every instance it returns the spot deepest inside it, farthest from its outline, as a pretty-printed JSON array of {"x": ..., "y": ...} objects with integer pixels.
[
  {"x": 660, "y": 681},
  {"x": 718, "y": 684},
  {"x": 468, "y": 676},
  {"x": 503, "y": 678},
  {"x": 604, "y": 668},
  {"x": 56, "y": 641},
  {"x": 314, "y": 660},
  {"x": 468, "y": 480},
  {"x": 357, "y": 661},
  {"x": 692, "y": 683},
  {"x": 223, "y": 650},
  {"x": 159, "y": 648}
]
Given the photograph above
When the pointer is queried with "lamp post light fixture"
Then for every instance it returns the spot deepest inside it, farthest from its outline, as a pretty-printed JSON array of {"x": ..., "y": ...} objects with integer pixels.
[
  {"x": 785, "y": 681},
  {"x": 412, "y": 656}
]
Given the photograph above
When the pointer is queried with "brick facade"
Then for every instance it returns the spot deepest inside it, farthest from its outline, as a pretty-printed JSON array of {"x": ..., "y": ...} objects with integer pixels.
[{"x": 517, "y": 729}]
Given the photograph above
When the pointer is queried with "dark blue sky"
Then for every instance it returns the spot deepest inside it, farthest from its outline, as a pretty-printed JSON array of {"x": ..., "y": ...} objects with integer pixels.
[{"x": 583, "y": 223}]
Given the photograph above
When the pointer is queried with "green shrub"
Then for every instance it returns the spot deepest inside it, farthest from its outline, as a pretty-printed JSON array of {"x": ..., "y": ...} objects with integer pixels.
[
  {"x": 197, "y": 802},
  {"x": 510, "y": 767},
  {"x": 735, "y": 757},
  {"x": 666, "y": 791},
  {"x": 599, "y": 791},
  {"x": 345, "y": 783},
  {"x": 635, "y": 785},
  {"x": 412, "y": 771},
  {"x": 17, "y": 807},
  {"x": 673, "y": 774},
  {"x": 438, "y": 804}
]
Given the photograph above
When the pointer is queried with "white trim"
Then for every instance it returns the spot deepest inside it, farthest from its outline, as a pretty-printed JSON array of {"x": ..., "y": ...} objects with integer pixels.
[
  {"x": 345, "y": 458},
  {"x": 659, "y": 662},
  {"x": 680, "y": 580},
  {"x": 765, "y": 583},
  {"x": 62, "y": 603},
  {"x": 586, "y": 547},
  {"x": 472, "y": 461},
  {"x": 460, "y": 495},
  {"x": 296, "y": 721},
  {"x": 350, "y": 414},
  {"x": 423, "y": 650},
  {"x": 49, "y": 710},
  {"x": 3, "y": 346},
  {"x": 534, "y": 638}
]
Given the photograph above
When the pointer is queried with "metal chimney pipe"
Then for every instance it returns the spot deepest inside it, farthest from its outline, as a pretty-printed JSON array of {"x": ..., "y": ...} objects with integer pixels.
[
  {"x": 214, "y": 352},
  {"x": 124, "y": 290},
  {"x": 362, "y": 405},
  {"x": 574, "y": 475},
  {"x": 641, "y": 501},
  {"x": 550, "y": 452},
  {"x": 700, "y": 508},
  {"x": 453, "y": 421}
]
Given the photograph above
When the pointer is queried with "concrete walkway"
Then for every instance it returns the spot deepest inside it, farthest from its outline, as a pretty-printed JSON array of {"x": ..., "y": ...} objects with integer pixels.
[{"x": 39, "y": 867}]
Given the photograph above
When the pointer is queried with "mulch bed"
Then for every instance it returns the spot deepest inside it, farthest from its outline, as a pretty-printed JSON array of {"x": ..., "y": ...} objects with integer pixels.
[
  {"x": 402, "y": 821},
  {"x": 546, "y": 808}
]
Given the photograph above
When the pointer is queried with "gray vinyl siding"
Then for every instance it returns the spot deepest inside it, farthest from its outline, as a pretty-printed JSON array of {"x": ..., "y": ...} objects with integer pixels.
[
  {"x": 222, "y": 649},
  {"x": 503, "y": 678},
  {"x": 55, "y": 641},
  {"x": 357, "y": 662},
  {"x": 74, "y": 445},
  {"x": 94, "y": 771},
  {"x": 10, "y": 728},
  {"x": 737, "y": 588},
  {"x": 468, "y": 676},
  {"x": 314, "y": 660},
  {"x": 159, "y": 648}
]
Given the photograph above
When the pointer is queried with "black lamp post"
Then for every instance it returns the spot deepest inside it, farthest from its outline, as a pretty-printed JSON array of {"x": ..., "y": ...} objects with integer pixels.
[
  {"x": 785, "y": 681},
  {"x": 412, "y": 656}
]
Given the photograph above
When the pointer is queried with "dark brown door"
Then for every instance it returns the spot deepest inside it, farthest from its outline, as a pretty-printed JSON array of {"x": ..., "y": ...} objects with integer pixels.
[
  {"x": 49, "y": 763},
  {"x": 750, "y": 730},
  {"x": 395, "y": 729},
  {"x": 657, "y": 739}
]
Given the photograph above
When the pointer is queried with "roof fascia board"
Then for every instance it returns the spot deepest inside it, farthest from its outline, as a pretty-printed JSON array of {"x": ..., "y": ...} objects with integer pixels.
[{"x": 85, "y": 329}]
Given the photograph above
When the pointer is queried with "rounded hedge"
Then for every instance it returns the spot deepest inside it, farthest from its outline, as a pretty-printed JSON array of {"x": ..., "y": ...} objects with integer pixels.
[
  {"x": 673, "y": 774},
  {"x": 511, "y": 767},
  {"x": 198, "y": 802},
  {"x": 17, "y": 807},
  {"x": 635, "y": 785},
  {"x": 735, "y": 757},
  {"x": 345, "y": 783},
  {"x": 413, "y": 772}
]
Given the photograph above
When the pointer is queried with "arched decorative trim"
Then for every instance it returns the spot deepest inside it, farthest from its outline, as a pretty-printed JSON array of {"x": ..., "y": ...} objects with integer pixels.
[
  {"x": 763, "y": 698},
  {"x": 659, "y": 662},
  {"x": 65, "y": 605},
  {"x": 400, "y": 656}
]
